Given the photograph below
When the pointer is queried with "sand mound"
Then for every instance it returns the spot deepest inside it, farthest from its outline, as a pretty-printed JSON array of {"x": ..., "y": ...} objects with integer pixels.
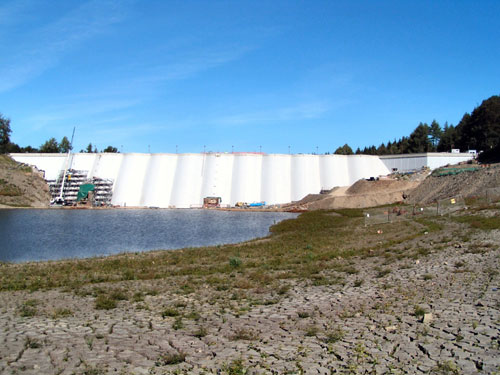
[{"x": 362, "y": 194}]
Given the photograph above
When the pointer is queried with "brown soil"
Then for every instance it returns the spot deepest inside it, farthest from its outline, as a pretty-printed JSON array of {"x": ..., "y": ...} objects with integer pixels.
[
  {"x": 21, "y": 185},
  {"x": 363, "y": 194},
  {"x": 467, "y": 184},
  {"x": 417, "y": 188}
]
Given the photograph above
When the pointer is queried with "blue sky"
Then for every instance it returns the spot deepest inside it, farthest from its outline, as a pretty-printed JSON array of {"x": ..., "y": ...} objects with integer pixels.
[{"x": 242, "y": 75}]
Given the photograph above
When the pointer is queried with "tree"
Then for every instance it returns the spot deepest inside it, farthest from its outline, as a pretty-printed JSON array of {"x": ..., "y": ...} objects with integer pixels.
[
  {"x": 448, "y": 138},
  {"x": 110, "y": 149},
  {"x": 50, "y": 146},
  {"x": 382, "y": 149},
  {"x": 481, "y": 129},
  {"x": 435, "y": 134},
  {"x": 89, "y": 149},
  {"x": 344, "y": 150},
  {"x": 4, "y": 133},
  {"x": 419, "y": 139},
  {"x": 13, "y": 147},
  {"x": 65, "y": 146},
  {"x": 29, "y": 149}
]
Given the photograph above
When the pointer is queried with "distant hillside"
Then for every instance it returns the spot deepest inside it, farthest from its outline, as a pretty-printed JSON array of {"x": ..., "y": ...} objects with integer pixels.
[{"x": 21, "y": 186}]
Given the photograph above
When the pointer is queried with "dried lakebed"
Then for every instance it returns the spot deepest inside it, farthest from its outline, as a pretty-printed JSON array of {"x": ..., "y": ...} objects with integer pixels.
[{"x": 361, "y": 311}]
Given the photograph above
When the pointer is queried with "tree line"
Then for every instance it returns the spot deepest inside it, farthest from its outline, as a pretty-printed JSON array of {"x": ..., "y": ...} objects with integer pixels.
[
  {"x": 479, "y": 131},
  {"x": 49, "y": 146}
]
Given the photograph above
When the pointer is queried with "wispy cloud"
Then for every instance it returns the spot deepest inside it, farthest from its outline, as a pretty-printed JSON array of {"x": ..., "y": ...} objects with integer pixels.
[
  {"x": 81, "y": 110},
  {"x": 47, "y": 45},
  {"x": 301, "y": 111},
  {"x": 197, "y": 62}
]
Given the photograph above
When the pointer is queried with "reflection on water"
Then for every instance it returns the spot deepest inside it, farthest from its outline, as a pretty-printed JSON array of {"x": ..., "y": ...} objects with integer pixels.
[{"x": 30, "y": 235}]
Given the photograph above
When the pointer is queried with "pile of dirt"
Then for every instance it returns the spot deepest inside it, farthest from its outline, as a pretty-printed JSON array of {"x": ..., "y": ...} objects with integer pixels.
[
  {"x": 471, "y": 182},
  {"x": 21, "y": 185},
  {"x": 363, "y": 187},
  {"x": 362, "y": 194}
]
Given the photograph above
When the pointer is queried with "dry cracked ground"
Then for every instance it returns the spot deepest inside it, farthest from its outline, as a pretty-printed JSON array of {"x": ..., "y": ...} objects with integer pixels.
[{"x": 428, "y": 305}]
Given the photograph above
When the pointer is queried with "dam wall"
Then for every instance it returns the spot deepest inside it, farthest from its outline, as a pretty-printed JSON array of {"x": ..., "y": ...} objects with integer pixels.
[{"x": 183, "y": 180}]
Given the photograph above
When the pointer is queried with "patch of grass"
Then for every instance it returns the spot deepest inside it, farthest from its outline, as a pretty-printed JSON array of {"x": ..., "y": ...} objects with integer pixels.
[
  {"x": 200, "y": 332},
  {"x": 28, "y": 308},
  {"x": 9, "y": 190},
  {"x": 358, "y": 283},
  {"x": 32, "y": 343},
  {"x": 235, "y": 262},
  {"x": 382, "y": 272},
  {"x": 118, "y": 295},
  {"x": 193, "y": 315},
  {"x": 446, "y": 368},
  {"x": 429, "y": 224},
  {"x": 284, "y": 289},
  {"x": 138, "y": 297},
  {"x": 480, "y": 222},
  {"x": 349, "y": 212},
  {"x": 235, "y": 367},
  {"x": 427, "y": 276},
  {"x": 61, "y": 313},
  {"x": 311, "y": 331},
  {"x": 422, "y": 251},
  {"x": 243, "y": 334},
  {"x": 419, "y": 311},
  {"x": 170, "y": 359},
  {"x": 169, "y": 312},
  {"x": 105, "y": 302},
  {"x": 91, "y": 370},
  {"x": 186, "y": 289},
  {"x": 334, "y": 334},
  {"x": 303, "y": 314},
  {"x": 178, "y": 324}
]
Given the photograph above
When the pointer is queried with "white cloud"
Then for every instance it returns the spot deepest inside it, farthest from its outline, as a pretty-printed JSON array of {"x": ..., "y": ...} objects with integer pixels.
[
  {"x": 46, "y": 46},
  {"x": 189, "y": 66},
  {"x": 301, "y": 111}
]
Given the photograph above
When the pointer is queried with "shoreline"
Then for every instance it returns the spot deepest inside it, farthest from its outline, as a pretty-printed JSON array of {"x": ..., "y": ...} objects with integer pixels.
[
  {"x": 260, "y": 232},
  {"x": 322, "y": 294}
]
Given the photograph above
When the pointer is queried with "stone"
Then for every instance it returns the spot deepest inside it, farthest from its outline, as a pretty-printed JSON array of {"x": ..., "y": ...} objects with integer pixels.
[
  {"x": 391, "y": 328},
  {"x": 427, "y": 318}
]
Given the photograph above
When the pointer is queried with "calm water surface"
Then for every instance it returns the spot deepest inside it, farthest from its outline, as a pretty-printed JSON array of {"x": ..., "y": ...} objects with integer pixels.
[{"x": 31, "y": 235}]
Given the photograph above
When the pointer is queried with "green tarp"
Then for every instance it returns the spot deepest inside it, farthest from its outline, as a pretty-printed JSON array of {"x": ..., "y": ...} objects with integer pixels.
[{"x": 84, "y": 191}]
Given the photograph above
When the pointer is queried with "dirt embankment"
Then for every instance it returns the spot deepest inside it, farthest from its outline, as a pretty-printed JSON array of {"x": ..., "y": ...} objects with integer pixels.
[
  {"x": 21, "y": 185},
  {"x": 472, "y": 182},
  {"x": 363, "y": 193},
  {"x": 417, "y": 188}
]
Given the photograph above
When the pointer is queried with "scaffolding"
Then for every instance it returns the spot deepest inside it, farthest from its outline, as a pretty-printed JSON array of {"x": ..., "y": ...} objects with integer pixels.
[{"x": 67, "y": 185}]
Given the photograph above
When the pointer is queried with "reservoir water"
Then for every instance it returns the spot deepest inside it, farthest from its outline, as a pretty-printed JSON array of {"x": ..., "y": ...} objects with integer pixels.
[{"x": 33, "y": 235}]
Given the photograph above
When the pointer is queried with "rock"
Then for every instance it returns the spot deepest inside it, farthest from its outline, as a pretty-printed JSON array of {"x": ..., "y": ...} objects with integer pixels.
[
  {"x": 391, "y": 328},
  {"x": 427, "y": 318}
]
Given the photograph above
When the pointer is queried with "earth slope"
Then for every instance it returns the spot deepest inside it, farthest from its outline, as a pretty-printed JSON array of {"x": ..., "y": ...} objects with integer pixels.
[
  {"x": 21, "y": 185},
  {"x": 473, "y": 182}
]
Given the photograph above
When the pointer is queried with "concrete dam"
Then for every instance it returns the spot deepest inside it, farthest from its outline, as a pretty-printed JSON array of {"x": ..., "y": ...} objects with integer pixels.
[{"x": 183, "y": 180}]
